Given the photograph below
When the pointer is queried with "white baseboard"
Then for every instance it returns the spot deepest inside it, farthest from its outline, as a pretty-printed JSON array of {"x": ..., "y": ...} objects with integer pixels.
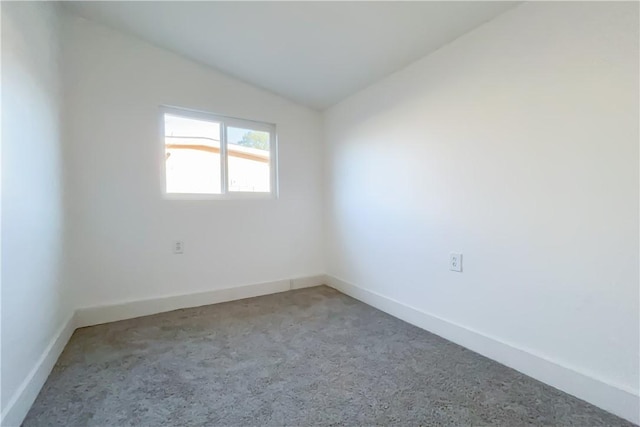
[
  {"x": 96, "y": 315},
  {"x": 613, "y": 398},
  {"x": 21, "y": 402},
  {"x": 308, "y": 282}
]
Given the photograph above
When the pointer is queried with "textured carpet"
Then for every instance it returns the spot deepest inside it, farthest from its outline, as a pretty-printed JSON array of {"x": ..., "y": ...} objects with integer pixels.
[{"x": 307, "y": 357}]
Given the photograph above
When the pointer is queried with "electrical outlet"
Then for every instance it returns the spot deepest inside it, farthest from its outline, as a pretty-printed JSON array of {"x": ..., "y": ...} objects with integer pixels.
[
  {"x": 455, "y": 262},
  {"x": 178, "y": 247}
]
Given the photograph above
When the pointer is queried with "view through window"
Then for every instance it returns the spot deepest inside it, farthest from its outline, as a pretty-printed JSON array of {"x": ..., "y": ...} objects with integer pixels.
[{"x": 208, "y": 154}]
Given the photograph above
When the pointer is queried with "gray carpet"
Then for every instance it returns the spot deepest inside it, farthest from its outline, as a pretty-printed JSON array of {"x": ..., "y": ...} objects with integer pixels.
[{"x": 300, "y": 358}]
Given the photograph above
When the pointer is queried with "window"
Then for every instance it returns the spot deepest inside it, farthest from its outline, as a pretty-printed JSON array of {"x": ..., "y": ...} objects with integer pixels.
[{"x": 210, "y": 155}]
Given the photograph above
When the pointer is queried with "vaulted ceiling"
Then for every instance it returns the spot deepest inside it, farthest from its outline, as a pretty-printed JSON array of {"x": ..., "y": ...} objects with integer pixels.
[{"x": 315, "y": 53}]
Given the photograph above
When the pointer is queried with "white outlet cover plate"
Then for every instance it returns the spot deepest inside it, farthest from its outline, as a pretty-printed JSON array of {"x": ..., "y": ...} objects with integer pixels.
[{"x": 455, "y": 262}]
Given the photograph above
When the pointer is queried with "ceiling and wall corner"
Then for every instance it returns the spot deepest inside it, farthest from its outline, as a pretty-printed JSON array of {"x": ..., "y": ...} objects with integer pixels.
[{"x": 315, "y": 53}]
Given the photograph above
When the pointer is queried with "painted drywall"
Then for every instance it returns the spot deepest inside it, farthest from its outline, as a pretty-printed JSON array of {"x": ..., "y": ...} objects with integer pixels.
[
  {"x": 123, "y": 228},
  {"x": 35, "y": 302},
  {"x": 315, "y": 53},
  {"x": 516, "y": 145}
]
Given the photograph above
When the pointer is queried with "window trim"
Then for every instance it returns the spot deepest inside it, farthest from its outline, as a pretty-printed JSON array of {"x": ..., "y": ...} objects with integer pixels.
[{"x": 224, "y": 121}]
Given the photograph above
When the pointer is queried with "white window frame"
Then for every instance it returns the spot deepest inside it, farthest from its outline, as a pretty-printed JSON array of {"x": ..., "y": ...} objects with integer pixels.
[{"x": 224, "y": 166}]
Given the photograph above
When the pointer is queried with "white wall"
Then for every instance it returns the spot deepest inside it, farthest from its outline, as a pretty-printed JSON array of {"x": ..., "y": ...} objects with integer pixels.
[
  {"x": 516, "y": 145},
  {"x": 35, "y": 303},
  {"x": 122, "y": 228}
]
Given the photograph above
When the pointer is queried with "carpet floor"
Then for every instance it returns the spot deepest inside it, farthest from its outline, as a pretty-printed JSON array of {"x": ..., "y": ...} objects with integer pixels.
[{"x": 300, "y": 358}]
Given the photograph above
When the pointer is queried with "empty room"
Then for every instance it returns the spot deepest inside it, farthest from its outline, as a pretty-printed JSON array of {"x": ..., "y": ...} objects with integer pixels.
[{"x": 364, "y": 213}]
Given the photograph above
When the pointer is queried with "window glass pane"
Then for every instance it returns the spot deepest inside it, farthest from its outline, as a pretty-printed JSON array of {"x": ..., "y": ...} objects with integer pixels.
[
  {"x": 248, "y": 160},
  {"x": 192, "y": 155}
]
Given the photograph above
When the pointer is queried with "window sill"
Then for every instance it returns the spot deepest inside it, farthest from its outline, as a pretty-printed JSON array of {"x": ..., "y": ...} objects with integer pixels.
[{"x": 227, "y": 196}]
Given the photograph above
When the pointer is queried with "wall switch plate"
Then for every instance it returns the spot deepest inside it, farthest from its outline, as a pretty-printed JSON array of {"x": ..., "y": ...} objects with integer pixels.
[
  {"x": 178, "y": 247},
  {"x": 455, "y": 262}
]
